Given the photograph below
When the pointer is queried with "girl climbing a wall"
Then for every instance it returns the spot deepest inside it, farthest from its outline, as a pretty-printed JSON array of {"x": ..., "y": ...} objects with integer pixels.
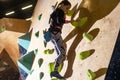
[{"x": 57, "y": 19}]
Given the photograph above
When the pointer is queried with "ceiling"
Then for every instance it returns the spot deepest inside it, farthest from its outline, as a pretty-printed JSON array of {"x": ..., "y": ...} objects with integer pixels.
[{"x": 16, "y": 5}]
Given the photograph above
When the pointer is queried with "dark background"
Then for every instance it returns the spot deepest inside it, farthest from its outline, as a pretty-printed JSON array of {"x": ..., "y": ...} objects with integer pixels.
[
  {"x": 113, "y": 72},
  {"x": 16, "y": 5}
]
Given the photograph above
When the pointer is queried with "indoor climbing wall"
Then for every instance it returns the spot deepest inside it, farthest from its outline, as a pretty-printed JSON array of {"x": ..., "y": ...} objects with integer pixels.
[{"x": 90, "y": 39}]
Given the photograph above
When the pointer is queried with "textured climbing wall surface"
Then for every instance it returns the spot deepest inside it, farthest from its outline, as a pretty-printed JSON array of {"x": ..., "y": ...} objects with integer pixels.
[{"x": 103, "y": 24}]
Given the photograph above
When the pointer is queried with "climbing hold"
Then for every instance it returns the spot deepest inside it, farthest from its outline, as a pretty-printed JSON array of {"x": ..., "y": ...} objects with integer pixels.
[
  {"x": 24, "y": 40},
  {"x": 41, "y": 75},
  {"x": 37, "y": 34},
  {"x": 48, "y": 51},
  {"x": 54, "y": 79},
  {"x": 36, "y": 51},
  {"x": 45, "y": 51},
  {"x": 74, "y": 23},
  {"x": 91, "y": 75},
  {"x": 51, "y": 67},
  {"x": 31, "y": 71},
  {"x": 87, "y": 37},
  {"x": 45, "y": 43},
  {"x": 51, "y": 51},
  {"x": 39, "y": 17},
  {"x": 70, "y": 13},
  {"x": 47, "y": 36},
  {"x": 82, "y": 21},
  {"x": 2, "y": 29},
  {"x": 26, "y": 61},
  {"x": 83, "y": 55},
  {"x": 40, "y": 61}
]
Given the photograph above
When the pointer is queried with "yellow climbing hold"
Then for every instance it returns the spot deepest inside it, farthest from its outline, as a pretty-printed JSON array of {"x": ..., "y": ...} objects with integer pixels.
[
  {"x": 70, "y": 13},
  {"x": 91, "y": 75},
  {"x": 87, "y": 37},
  {"x": 83, "y": 55},
  {"x": 74, "y": 23},
  {"x": 48, "y": 51},
  {"x": 82, "y": 21},
  {"x": 51, "y": 67}
]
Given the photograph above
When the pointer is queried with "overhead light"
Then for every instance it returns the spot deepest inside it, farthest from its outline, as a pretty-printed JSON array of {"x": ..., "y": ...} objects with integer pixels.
[
  {"x": 28, "y": 19},
  {"x": 26, "y": 7},
  {"x": 9, "y": 13}
]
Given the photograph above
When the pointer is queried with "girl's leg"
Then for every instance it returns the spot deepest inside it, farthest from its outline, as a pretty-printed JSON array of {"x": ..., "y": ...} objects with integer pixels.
[
  {"x": 55, "y": 46},
  {"x": 60, "y": 49}
]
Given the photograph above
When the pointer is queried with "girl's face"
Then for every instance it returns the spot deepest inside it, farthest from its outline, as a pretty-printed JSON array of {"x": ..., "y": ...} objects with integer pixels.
[{"x": 65, "y": 8}]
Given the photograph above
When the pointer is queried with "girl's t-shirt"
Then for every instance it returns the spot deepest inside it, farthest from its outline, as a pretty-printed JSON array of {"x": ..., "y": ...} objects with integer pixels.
[{"x": 57, "y": 19}]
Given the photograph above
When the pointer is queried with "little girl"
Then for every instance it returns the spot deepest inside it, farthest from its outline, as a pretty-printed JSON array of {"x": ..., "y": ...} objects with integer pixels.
[{"x": 57, "y": 19}]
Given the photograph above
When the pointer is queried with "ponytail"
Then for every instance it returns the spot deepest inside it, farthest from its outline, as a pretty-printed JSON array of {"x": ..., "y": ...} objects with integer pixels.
[{"x": 65, "y": 2}]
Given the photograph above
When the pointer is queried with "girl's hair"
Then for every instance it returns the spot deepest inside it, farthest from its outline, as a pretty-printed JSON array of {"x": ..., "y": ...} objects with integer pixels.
[{"x": 65, "y": 2}]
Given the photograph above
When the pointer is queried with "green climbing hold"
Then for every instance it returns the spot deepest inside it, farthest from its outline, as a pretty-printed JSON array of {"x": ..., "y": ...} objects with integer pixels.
[
  {"x": 41, "y": 75},
  {"x": 54, "y": 79},
  {"x": 2, "y": 29},
  {"x": 51, "y": 67},
  {"x": 83, "y": 55},
  {"x": 26, "y": 61},
  {"x": 31, "y": 71},
  {"x": 45, "y": 43},
  {"x": 39, "y": 17},
  {"x": 40, "y": 61},
  {"x": 91, "y": 75},
  {"x": 36, "y": 51},
  {"x": 87, "y": 37},
  {"x": 48, "y": 51},
  {"x": 70, "y": 13},
  {"x": 82, "y": 21},
  {"x": 51, "y": 51},
  {"x": 79, "y": 23},
  {"x": 37, "y": 34},
  {"x": 74, "y": 23},
  {"x": 45, "y": 51}
]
